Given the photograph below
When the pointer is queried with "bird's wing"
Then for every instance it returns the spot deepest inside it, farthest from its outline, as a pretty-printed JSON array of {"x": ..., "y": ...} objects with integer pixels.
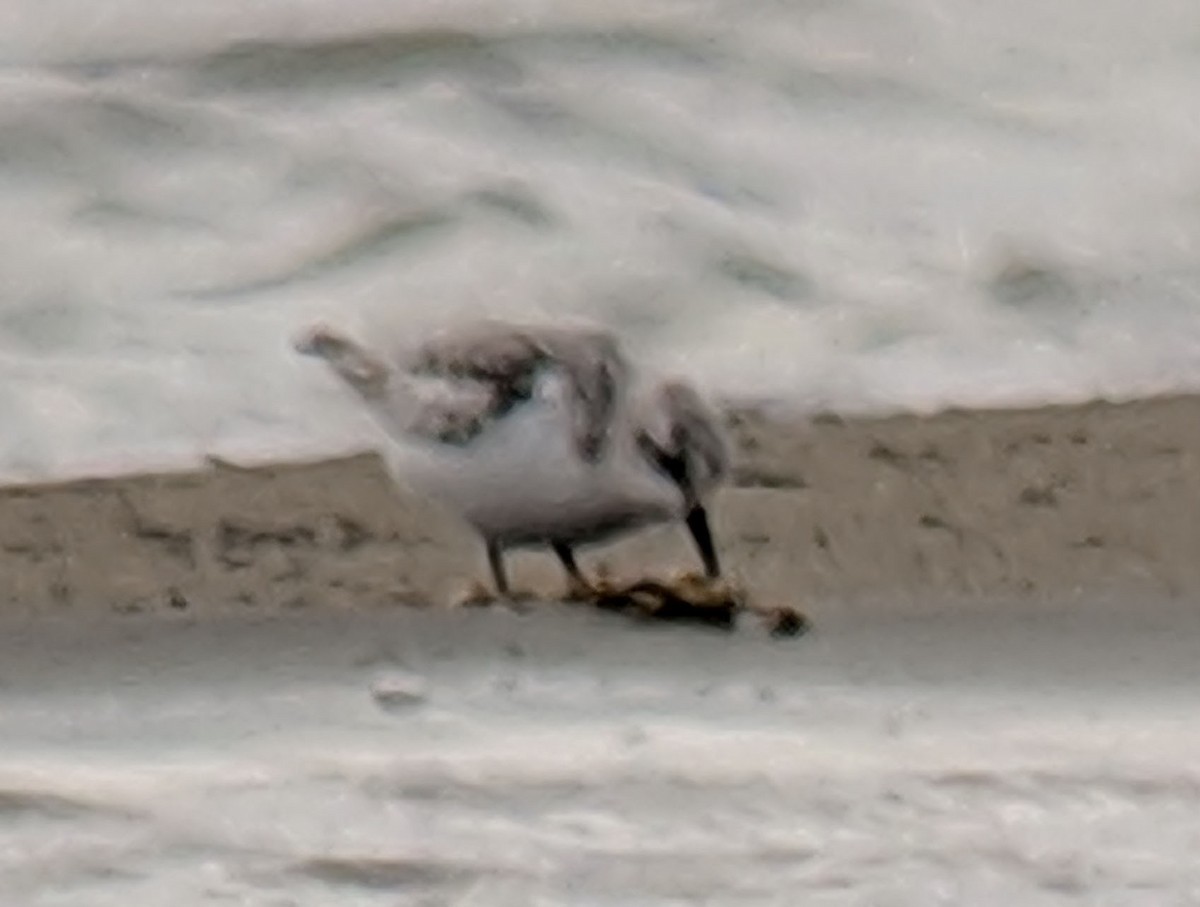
[
  {"x": 504, "y": 361},
  {"x": 450, "y": 412},
  {"x": 597, "y": 375}
]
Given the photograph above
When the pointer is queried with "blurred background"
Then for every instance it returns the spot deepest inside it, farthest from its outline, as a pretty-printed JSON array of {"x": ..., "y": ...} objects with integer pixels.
[{"x": 865, "y": 205}]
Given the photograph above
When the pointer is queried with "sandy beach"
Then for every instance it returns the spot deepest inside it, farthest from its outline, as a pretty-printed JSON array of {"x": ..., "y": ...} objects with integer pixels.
[{"x": 1044, "y": 504}]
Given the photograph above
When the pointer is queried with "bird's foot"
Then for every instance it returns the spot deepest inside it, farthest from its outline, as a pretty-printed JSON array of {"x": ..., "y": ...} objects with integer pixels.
[
  {"x": 477, "y": 595},
  {"x": 580, "y": 590}
]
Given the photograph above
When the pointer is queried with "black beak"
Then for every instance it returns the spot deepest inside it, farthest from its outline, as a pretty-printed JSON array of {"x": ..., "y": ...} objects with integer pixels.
[{"x": 697, "y": 523}]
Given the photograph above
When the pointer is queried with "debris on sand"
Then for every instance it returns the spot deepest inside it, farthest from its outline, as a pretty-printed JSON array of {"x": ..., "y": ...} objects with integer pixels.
[
  {"x": 688, "y": 599},
  {"x": 693, "y": 599}
]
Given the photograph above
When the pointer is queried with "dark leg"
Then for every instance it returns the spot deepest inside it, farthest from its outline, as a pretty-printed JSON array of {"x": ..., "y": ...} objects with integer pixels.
[
  {"x": 567, "y": 557},
  {"x": 496, "y": 562},
  {"x": 697, "y": 523},
  {"x": 576, "y": 582}
]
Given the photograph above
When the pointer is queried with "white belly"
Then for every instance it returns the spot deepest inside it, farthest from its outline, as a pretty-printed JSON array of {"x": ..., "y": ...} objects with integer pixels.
[{"x": 521, "y": 481}]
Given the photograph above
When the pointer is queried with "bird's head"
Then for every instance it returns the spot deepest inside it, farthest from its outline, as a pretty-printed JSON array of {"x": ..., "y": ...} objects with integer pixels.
[{"x": 681, "y": 437}]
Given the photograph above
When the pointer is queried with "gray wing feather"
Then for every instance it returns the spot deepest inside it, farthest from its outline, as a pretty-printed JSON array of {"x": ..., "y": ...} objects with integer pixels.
[
  {"x": 598, "y": 375},
  {"x": 505, "y": 360}
]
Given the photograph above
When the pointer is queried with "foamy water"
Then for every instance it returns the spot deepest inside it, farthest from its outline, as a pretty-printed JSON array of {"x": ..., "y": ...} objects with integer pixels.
[
  {"x": 860, "y": 205},
  {"x": 568, "y": 760}
]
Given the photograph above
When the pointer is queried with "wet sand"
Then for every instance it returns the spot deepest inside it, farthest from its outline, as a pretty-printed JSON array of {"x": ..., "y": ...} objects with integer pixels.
[{"x": 1048, "y": 505}]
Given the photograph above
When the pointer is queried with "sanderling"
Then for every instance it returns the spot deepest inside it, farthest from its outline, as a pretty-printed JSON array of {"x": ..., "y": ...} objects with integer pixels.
[{"x": 538, "y": 435}]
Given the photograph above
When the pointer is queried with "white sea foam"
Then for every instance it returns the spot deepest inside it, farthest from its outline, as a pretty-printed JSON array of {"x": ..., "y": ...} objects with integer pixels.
[
  {"x": 563, "y": 759},
  {"x": 863, "y": 206}
]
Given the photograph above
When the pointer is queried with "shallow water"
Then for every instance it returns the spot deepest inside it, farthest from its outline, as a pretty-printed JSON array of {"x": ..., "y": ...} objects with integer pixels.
[
  {"x": 861, "y": 205},
  {"x": 563, "y": 758}
]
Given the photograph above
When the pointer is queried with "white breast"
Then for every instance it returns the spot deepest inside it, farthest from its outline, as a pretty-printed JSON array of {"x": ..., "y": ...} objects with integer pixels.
[{"x": 522, "y": 480}]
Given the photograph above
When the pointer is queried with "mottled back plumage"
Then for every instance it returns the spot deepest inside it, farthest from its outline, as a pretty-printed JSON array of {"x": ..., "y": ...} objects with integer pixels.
[{"x": 508, "y": 359}]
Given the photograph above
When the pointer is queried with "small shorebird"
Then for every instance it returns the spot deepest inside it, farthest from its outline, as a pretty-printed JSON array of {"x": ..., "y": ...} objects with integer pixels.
[{"x": 536, "y": 436}]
